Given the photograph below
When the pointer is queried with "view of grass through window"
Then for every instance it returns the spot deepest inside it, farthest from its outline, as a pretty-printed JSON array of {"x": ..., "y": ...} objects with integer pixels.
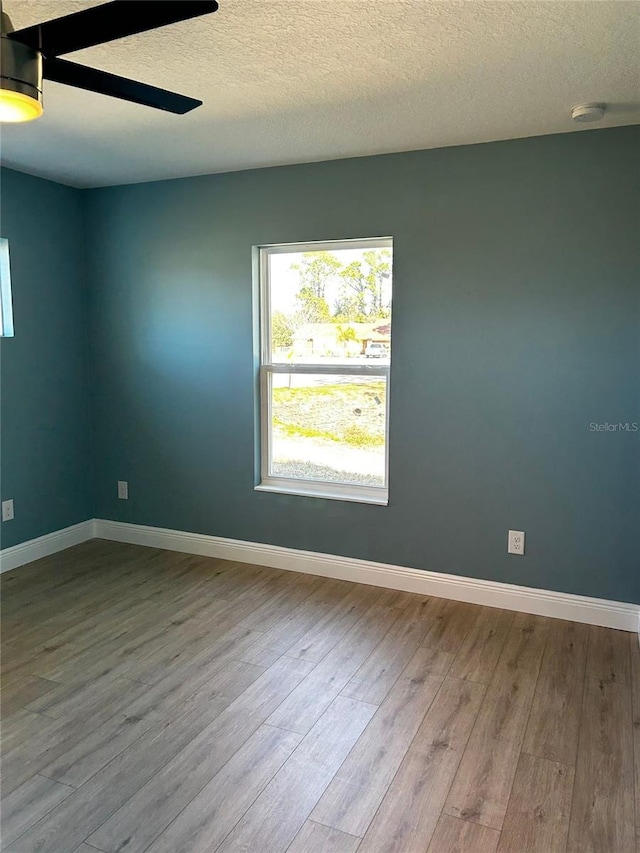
[
  {"x": 329, "y": 323},
  {"x": 331, "y": 430}
]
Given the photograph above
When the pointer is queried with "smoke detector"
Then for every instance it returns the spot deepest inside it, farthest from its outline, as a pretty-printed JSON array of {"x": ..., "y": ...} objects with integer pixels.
[{"x": 587, "y": 112}]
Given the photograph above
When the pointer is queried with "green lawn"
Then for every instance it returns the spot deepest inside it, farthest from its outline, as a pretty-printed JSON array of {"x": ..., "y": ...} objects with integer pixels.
[{"x": 350, "y": 413}]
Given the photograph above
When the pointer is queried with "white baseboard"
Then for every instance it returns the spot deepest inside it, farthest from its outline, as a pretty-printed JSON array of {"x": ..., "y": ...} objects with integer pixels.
[
  {"x": 44, "y": 546},
  {"x": 542, "y": 602}
]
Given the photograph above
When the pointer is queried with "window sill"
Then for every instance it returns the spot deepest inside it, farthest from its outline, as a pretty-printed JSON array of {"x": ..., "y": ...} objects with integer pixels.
[{"x": 354, "y": 494}]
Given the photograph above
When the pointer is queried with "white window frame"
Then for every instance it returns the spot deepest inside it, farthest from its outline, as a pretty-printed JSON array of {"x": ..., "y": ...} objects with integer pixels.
[
  {"x": 267, "y": 368},
  {"x": 6, "y": 309}
]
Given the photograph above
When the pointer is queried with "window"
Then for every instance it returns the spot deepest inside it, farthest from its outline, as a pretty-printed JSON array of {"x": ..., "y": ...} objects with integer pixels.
[
  {"x": 325, "y": 353},
  {"x": 6, "y": 312}
]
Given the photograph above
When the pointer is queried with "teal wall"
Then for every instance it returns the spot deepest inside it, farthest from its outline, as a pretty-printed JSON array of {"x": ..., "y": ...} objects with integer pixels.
[
  {"x": 516, "y": 325},
  {"x": 44, "y": 436}
]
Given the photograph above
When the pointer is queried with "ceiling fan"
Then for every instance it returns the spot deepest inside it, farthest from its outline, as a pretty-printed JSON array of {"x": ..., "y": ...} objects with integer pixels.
[{"x": 32, "y": 54}]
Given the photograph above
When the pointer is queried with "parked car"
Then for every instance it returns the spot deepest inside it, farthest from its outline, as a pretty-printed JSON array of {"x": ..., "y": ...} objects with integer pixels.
[{"x": 375, "y": 350}]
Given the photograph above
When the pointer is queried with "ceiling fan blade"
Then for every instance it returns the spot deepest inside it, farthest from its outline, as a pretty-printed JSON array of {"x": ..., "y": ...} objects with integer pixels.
[
  {"x": 107, "y": 22},
  {"x": 82, "y": 77}
]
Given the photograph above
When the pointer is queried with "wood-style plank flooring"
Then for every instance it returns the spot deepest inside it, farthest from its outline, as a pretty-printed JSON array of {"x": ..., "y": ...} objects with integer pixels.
[{"x": 162, "y": 702}]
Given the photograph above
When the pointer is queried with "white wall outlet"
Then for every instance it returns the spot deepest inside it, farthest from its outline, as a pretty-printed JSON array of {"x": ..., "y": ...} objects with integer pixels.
[
  {"x": 515, "y": 543},
  {"x": 123, "y": 490},
  {"x": 7, "y": 510}
]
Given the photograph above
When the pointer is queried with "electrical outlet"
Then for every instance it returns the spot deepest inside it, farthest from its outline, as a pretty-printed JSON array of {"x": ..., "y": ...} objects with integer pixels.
[
  {"x": 123, "y": 490},
  {"x": 7, "y": 510},
  {"x": 515, "y": 544}
]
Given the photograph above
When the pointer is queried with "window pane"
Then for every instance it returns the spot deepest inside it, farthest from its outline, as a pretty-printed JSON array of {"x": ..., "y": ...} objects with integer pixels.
[
  {"x": 330, "y": 428},
  {"x": 6, "y": 311},
  {"x": 330, "y": 306}
]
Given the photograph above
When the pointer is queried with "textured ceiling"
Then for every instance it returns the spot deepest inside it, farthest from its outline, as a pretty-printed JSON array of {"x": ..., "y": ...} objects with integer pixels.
[{"x": 286, "y": 81}]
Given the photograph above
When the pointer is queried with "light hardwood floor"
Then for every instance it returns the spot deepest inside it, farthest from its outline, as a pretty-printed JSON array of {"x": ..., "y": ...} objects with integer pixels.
[{"x": 162, "y": 702}]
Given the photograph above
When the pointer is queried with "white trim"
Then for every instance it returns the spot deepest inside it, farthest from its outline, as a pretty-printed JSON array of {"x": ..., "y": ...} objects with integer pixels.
[
  {"x": 337, "y": 369},
  {"x": 44, "y": 546},
  {"x": 323, "y": 489},
  {"x": 266, "y": 420},
  {"x": 542, "y": 602},
  {"x": 267, "y": 368},
  {"x": 6, "y": 308},
  {"x": 335, "y": 245}
]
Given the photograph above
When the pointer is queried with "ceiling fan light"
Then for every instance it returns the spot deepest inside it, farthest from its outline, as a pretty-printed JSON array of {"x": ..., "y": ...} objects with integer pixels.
[
  {"x": 16, "y": 106},
  {"x": 20, "y": 80}
]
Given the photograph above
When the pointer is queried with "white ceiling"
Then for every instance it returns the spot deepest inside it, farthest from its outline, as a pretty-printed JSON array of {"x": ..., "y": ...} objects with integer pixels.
[{"x": 287, "y": 81}]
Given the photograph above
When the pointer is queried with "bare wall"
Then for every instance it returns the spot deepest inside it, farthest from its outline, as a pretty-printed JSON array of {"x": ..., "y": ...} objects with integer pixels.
[
  {"x": 516, "y": 319},
  {"x": 44, "y": 435}
]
